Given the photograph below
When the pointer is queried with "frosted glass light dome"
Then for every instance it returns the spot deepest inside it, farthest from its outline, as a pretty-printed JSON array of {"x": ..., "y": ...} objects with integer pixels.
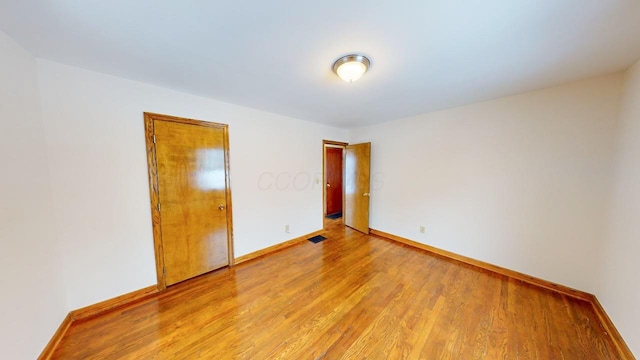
[{"x": 350, "y": 68}]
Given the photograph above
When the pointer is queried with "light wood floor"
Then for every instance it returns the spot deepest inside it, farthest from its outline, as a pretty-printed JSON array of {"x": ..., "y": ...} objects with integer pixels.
[{"x": 349, "y": 297}]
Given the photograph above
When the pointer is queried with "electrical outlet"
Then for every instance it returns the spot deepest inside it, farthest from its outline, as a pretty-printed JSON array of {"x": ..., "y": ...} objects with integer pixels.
[
  {"x": 422, "y": 230},
  {"x": 286, "y": 228}
]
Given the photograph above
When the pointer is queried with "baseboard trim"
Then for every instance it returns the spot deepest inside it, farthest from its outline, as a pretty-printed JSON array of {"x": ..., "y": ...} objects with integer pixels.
[
  {"x": 490, "y": 267},
  {"x": 274, "y": 248},
  {"x": 55, "y": 339},
  {"x": 92, "y": 311},
  {"x": 108, "y": 305},
  {"x": 623, "y": 350},
  {"x": 610, "y": 328}
]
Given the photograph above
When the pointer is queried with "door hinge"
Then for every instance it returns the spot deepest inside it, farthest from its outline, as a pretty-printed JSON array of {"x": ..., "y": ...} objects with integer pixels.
[
  {"x": 154, "y": 138},
  {"x": 158, "y": 206},
  {"x": 164, "y": 271}
]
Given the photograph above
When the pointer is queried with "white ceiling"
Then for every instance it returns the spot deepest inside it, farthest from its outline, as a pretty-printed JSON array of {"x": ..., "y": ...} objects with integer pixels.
[{"x": 276, "y": 55}]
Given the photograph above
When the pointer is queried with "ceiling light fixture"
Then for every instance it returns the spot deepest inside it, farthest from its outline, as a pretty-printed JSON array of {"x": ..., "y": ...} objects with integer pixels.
[{"x": 351, "y": 67}]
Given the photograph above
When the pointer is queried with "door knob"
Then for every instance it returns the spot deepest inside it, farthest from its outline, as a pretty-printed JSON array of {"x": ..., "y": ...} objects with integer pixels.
[
  {"x": 328, "y": 185},
  {"x": 221, "y": 207},
  {"x": 366, "y": 194}
]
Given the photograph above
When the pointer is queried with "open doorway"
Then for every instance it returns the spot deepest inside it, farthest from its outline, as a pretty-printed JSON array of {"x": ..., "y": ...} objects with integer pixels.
[{"x": 333, "y": 179}]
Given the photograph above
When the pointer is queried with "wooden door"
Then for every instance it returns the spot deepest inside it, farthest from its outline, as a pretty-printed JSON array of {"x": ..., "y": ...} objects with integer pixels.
[
  {"x": 357, "y": 172},
  {"x": 192, "y": 229},
  {"x": 333, "y": 175}
]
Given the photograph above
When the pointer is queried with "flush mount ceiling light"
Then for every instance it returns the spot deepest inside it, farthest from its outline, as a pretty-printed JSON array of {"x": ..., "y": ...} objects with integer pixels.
[{"x": 351, "y": 67}]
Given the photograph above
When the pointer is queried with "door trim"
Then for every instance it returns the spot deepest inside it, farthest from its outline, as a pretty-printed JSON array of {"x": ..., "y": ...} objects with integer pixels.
[
  {"x": 324, "y": 176},
  {"x": 152, "y": 167}
]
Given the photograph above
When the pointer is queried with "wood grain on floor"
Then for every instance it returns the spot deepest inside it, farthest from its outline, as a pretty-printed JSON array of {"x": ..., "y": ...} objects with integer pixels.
[{"x": 352, "y": 296}]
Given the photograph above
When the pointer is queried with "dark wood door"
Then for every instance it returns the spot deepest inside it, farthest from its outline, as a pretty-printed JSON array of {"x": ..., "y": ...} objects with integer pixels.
[
  {"x": 193, "y": 203},
  {"x": 333, "y": 175},
  {"x": 357, "y": 172}
]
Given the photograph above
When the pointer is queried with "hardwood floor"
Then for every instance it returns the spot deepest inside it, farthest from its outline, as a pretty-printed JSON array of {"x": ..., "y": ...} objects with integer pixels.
[{"x": 351, "y": 296}]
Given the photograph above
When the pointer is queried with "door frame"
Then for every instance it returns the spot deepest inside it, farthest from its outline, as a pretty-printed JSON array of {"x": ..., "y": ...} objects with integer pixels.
[
  {"x": 324, "y": 175},
  {"x": 152, "y": 169}
]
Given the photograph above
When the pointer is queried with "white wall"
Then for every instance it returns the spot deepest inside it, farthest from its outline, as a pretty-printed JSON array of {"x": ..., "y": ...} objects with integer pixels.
[
  {"x": 520, "y": 182},
  {"x": 95, "y": 138},
  {"x": 619, "y": 290},
  {"x": 32, "y": 303}
]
